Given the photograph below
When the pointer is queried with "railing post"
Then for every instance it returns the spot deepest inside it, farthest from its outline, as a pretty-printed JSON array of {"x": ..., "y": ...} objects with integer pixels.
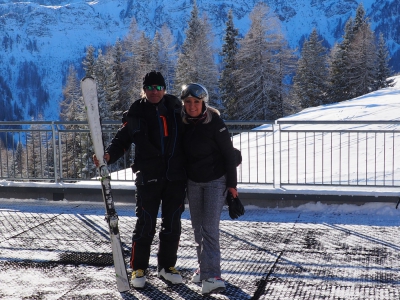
[
  {"x": 277, "y": 155},
  {"x": 54, "y": 152},
  {"x": 60, "y": 156}
]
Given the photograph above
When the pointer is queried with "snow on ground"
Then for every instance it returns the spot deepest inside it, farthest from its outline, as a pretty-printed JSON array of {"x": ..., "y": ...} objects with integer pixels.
[{"x": 61, "y": 250}]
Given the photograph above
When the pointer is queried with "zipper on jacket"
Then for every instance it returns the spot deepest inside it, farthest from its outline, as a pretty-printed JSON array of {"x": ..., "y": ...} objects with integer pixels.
[
  {"x": 161, "y": 120},
  {"x": 175, "y": 131},
  {"x": 165, "y": 127}
]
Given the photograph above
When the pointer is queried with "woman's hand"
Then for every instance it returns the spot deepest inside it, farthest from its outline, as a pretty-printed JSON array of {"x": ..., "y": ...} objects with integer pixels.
[{"x": 97, "y": 162}]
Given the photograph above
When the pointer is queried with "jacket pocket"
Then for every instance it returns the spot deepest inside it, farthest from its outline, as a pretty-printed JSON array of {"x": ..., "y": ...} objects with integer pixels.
[{"x": 149, "y": 171}]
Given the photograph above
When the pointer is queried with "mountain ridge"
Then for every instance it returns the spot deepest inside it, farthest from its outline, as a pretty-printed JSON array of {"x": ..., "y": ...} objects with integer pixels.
[{"x": 40, "y": 39}]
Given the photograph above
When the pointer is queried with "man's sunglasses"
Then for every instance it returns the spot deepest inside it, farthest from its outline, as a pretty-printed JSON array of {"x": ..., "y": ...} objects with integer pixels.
[
  {"x": 194, "y": 90},
  {"x": 154, "y": 87}
]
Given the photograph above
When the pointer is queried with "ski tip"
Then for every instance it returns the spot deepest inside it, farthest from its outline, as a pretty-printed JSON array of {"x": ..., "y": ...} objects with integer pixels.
[
  {"x": 87, "y": 77},
  {"x": 123, "y": 284}
]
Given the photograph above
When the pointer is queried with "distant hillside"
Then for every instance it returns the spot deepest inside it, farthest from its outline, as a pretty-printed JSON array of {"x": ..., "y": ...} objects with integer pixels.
[{"x": 40, "y": 39}]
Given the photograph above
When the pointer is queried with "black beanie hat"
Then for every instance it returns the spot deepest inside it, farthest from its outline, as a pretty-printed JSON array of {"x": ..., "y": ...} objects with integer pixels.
[{"x": 153, "y": 78}]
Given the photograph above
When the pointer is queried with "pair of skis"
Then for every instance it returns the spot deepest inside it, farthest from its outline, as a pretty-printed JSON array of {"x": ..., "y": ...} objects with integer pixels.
[{"x": 89, "y": 92}]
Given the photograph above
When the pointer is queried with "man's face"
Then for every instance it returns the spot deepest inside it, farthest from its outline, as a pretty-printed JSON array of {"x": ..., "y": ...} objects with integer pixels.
[{"x": 154, "y": 93}]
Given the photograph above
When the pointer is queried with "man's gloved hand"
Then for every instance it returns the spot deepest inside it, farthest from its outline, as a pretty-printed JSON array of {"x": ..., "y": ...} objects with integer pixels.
[{"x": 236, "y": 208}]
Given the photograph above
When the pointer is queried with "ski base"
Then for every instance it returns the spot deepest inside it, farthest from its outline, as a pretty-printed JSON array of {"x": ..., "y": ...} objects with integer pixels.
[{"x": 89, "y": 92}]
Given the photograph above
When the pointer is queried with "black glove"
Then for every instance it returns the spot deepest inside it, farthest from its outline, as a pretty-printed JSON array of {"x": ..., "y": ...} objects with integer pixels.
[{"x": 236, "y": 208}]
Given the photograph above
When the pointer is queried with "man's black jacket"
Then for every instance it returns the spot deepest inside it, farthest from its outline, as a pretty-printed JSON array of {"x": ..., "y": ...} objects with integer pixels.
[{"x": 156, "y": 130}]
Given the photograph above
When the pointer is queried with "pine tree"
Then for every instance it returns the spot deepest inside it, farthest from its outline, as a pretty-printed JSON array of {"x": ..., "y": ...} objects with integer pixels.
[
  {"x": 72, "y": 107},
  {"x": 132, "y": 81},
  {"x": 144, "y": 56},
  {"x": 384, "y": 71},
  {"x": 360, "y": 18},
  {"x": 310, "y": 81},
  {"x": 227, "y": 82},
  {"x": 48, "y": 156},
  {"x": 113, "y": 93},
  {"x": 261, "y": 67},
  {"x": 34, "y": 154},
  {"x": 339, "y": 87},
  {"x": 19, "y": 159},
  {"x": 196, "y": 60},
  {"x": 89, "y": 61},
  {"x": 108, "y": 89},
  {"x": 74, "y": 144},
  {"x": 186, "y": 70},
  {"x": 285, "y": 61},
  {"x": 166, "y": 54},
  {"x": 123, "y": 101},
  {"x": 363, "y": 62},
  {"x": 100, "y": 73},
  {"x": 112, "y": 88},
  {"x": 155, "y": 50},
  {"x": 354, "y": 66},
  {"x": 18, "y": 162}
]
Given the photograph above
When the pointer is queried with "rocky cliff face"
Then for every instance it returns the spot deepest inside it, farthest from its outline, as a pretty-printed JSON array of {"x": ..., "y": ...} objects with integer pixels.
[{"x": 40, "y": 39}]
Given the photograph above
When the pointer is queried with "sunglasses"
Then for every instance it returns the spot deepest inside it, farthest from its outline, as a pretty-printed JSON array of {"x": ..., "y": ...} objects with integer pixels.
[
  {"x": 154, "y": 87},
  {"x": 193, "y": 90}
]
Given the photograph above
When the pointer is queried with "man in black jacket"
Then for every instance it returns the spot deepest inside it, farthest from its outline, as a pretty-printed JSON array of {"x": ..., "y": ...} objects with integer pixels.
[{"x": 153, "y": 123}]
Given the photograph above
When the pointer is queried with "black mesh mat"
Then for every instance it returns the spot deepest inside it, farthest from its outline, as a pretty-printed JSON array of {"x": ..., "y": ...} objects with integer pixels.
[{"x": 60, "y": 250}]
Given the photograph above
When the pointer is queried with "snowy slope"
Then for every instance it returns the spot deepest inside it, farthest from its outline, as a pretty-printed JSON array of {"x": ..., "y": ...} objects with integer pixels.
[{"x": 381, "y": 105}]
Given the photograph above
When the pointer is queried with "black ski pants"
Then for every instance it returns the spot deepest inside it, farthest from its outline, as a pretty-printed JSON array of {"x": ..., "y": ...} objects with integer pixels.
[{"x": 171, "y": 195}]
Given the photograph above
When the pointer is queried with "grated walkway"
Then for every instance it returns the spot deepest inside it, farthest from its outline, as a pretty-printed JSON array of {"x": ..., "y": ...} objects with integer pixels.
[{"x": 60, "y": 250}]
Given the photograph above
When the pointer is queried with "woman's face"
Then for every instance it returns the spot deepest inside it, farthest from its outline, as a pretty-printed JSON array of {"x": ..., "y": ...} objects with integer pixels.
[{"x": 193, "y": 106}]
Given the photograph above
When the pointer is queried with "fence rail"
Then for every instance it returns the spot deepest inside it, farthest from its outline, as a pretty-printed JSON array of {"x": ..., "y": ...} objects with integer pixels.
[{"x": 284, "y": 152}]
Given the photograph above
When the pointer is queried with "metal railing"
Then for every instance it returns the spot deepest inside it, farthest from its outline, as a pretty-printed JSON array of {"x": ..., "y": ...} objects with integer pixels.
[
  {"x": 339, "y": 153},
  {"x": 53, "y": 151},
  {"x": 323, "y": 153}
]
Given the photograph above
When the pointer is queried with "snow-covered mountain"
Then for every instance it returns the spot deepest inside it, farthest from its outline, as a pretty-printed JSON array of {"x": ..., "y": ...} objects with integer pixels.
[{"x": 40, "y": 39}]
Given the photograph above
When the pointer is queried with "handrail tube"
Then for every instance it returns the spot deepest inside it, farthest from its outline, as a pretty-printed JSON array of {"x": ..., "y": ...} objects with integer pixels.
[{"x": 268, "y": 148}]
